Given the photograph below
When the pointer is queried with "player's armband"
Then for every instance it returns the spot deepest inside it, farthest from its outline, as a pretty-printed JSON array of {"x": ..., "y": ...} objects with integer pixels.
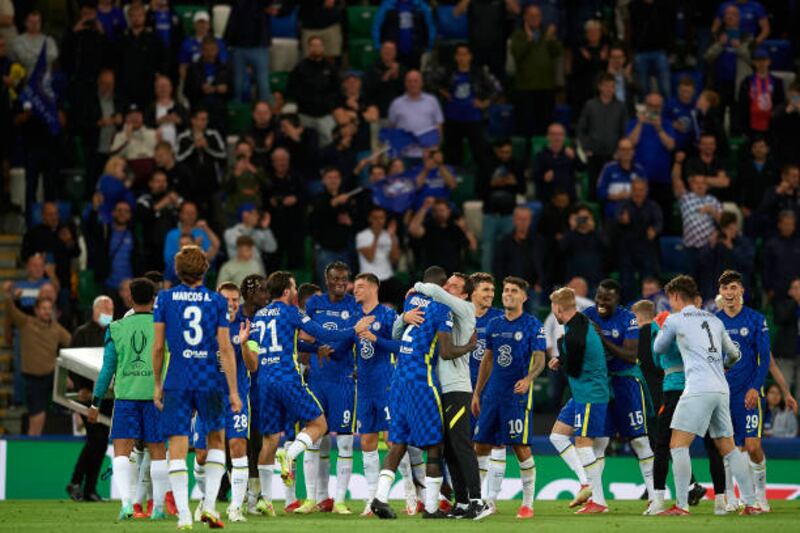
[{"x": 252, "y": 346}]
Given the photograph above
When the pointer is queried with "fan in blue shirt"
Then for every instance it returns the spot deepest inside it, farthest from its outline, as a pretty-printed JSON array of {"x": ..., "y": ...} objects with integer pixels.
[
  {"x": 192, "y": 321},
  {"x": 654, "y": 140},
  {"x": 614, "y": 184},
  {"x": 678, "y": 111}
]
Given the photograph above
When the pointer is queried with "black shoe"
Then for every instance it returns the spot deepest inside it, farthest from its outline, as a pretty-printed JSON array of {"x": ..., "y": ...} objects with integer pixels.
[
  {"x": 644, "y": 496},
  {"x": 696, "y": 494},
  {"x": 437, "y": 514},
  {"x": 75, "y": 492},
  {"x": 92, "y": 497},
  {"x": 458, "y": 511},
  {"x": 382, "y": 510},
  {"x": 474, "y": 510}
]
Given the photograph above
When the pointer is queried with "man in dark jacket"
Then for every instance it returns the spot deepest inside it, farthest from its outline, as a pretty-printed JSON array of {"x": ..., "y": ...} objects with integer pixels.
[
  {"x": 84, "y": 52},
  {"x": 639, "y": 223},
  {"x": 787, "y": 340},
  {"x": 331, "y": 223},
  {"x": 202, "y": 150},
  {"x": 555, "y": 165},
  {"x": 97, "y": 120},
  {"x": 314, "y": 85},
  {"x": 83, "y": 485},
  {"x": 785, "y": 196},
  {"x": 141, "y": 55},
  {"x": 781, "y": 257},
  {"x": 157, "y": 214},
  {"x": 466, "y": 91},
  {"x": 207, "y": 84},
  {"x": 785, "y": 127},
  {"x": 521, "y": 252},
  {"x": 442, "y": 239},
  {"x": 285, "y": 202},
  {"x": 249, "y": 34},
  {"x": 383, "y": 81}
]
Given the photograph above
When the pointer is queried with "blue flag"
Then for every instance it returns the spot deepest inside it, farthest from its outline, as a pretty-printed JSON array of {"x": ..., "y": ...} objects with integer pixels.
[
  {"x": 399, "y": 139},
  {"x": 395, "y": 193},
  {"x": 39, "y": 94},
  {"x": 430, "y": 138}
]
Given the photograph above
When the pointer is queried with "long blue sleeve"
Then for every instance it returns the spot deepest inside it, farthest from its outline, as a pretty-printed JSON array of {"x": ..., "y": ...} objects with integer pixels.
[
  {"x": 109, "y": 367},
  {"x": 428, "y": 13},
  {"x": 377, "y": 22},
  {"x": 389, "y": 345},
  {"x": 764, "y": 355},
  {"x": 307, "y": 347},
  {"x": 325, "y": 335}
]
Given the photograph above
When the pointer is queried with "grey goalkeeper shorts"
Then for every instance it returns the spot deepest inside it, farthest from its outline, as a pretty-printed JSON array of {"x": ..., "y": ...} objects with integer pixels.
[{"x": 704, "y": 412}]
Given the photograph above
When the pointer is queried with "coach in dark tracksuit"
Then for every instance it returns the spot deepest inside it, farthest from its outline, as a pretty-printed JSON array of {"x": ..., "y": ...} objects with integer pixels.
[{"x": 83, "y": 485}]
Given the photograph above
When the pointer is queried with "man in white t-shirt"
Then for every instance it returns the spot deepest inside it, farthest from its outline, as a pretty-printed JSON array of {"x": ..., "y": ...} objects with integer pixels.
[{"x": 377, "y": 245}]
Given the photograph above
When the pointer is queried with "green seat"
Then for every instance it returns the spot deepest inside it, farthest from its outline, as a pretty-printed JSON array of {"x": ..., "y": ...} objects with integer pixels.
[
  {"x": 468, "y": 161},
  {"x": 596, "y": 212},
  {"x": 519, "y": 149},
  {"x": 239, "y": 117},
  {"x": 359, "y": 21},
  {"x": 186, "y": 13},
  {"x": 465, "y": 189},
  {"x": 87, "y": 289},
  {"x": 278, "y": 81},
  {"x": 361, "y": 53},
  {"x": 539, "y": 142},
  {"x": 583, "y": 185}
]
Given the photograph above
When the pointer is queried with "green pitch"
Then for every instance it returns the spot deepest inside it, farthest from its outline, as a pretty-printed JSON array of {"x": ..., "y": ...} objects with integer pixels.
[{"x": 66, "y": 516}]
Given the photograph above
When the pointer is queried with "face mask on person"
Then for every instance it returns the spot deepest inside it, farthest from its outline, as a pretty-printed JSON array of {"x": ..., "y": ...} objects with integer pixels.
[{"x": 104, "y": 319}]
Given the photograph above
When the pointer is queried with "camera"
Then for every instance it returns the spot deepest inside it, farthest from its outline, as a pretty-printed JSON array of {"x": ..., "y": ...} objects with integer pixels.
[{"x": 582, "y": 220}]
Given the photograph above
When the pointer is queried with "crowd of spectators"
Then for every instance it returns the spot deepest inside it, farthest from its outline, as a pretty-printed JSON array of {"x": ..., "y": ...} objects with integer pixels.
[{"x": 629, "y": 138}]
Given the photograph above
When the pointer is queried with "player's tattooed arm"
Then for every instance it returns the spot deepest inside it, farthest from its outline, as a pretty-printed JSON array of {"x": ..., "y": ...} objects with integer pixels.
[
  {"x": 158, "y": 363},
  {"x": 447, "y": 350},
  {"x": 484, "y": 371}
]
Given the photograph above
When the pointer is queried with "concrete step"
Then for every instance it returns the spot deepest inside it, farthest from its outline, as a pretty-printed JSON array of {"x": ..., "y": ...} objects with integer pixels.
[
  {"x": 10, "y": 240},
  {"x": 8, "y": 258},
  {"x": 12, "y": 273}
]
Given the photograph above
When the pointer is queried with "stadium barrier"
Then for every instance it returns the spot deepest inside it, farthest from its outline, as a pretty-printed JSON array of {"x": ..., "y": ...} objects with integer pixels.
[{"x": 39, "y": 469}]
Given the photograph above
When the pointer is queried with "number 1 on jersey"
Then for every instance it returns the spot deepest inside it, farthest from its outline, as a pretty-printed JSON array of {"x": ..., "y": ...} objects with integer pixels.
[{"x": 705, "y": 326}]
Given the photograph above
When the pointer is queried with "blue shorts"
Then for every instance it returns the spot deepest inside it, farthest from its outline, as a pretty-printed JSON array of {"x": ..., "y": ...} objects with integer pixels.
[
  {"x": 372, "y": 411},
  {"x": 628, "y": 408},
  {"x": 747, "y": 423},
  {"x": 237, "y": 425},
  {"x": 136, "y": 419},
  {"x": 587, "y": 419},
  {"x": 338, "y": 401},
  {"x": 416, "y": 414},
  {"x": 504, "y": 419},
  {"x": 176, "y": 418},
  {"x": 284, "y": 402}
]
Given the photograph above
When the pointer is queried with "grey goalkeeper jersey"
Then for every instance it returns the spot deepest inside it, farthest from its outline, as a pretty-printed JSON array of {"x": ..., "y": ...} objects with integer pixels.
[{"x": 705, "y": 346}]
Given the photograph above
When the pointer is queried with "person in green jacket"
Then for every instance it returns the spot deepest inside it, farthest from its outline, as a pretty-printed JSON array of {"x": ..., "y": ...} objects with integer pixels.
[
  {"x": 126, "y": 358},
  {"x": 536, "y": 52}
]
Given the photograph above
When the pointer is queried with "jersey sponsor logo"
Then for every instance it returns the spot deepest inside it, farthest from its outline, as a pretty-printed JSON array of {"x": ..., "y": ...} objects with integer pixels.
[
  {"x": 194, "y": 354},
  {"x": 330, "y": 326},
  {"x": 505, "y": 356},
  {"x": 518, "y": 336},
  {"x": 367, "y": 350},
  {"x": 480, "y": 349},
  {"x": 418, "y": 301}
]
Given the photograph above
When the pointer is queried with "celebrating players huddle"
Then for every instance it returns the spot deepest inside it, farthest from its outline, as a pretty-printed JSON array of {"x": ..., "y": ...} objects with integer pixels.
[{"x": 242, "y": 367}]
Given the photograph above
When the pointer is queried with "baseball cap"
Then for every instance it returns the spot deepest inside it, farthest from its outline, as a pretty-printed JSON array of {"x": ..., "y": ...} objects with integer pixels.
[
  {"x": 201, "y": 15},
  {"x": 760, "y": 53}
]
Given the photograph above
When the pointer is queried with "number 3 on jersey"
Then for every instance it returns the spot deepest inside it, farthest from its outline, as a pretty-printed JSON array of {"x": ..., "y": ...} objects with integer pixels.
[{"x": 193, "y": 334}]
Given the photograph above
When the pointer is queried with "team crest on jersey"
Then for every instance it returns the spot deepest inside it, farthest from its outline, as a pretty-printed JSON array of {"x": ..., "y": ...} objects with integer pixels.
[
  {"x": 743, "y": 332},
  {"x": 345, "y": 315},
  {"x": 614, "y": 333},
  {"x": 505, "y": 358},
  {"x": 236, "y": 340},
  {"x": 376, "y": 326},
  {"x": 518, "y": 336}
]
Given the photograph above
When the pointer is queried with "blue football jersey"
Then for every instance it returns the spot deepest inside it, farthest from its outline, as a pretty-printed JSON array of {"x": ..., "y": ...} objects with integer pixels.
[
  {"x": 333, "y": 316},
  {"x": 274, "y": 333},
  {"x": 191, "y": 317},
  {"x": 476, "y": 356},
  {"x": 617, "y": 328},
  {"x": 512, "y": 343},
  {"x": 750, "y": 332},
  {"x": 374, "y": 363},
  {"x": 418, "y": 354}
]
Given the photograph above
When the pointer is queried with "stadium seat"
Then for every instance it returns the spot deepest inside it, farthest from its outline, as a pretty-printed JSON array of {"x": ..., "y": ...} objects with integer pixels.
[
  {"x": 465, "y": 190},
  {"x": 186, "y": 13},
  {"x": 239, "y": 117},
  {"x": 278, "y": 81},
  {"x": 673, "y": 255},
  {"x": 583, "y": 185},
  {"x": 450, "y": 26},
  {"x": 473, "y": 215},
  {"x": 286, "y": 26},
  {"x": 538, "y": 143},
  {"x": 284, "y": 54},
  {"x": 361, "y": 53},
  {"x": 519, "y": 147},
  {"x": 359, "y": 21},
  {"x": 219, "y": 19},
  {"x": 501, "y": 121},
  {"x": 468, "y": 163},
  {"x": 780, "y": 54},
  {"x": 87, "y": 289}
]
